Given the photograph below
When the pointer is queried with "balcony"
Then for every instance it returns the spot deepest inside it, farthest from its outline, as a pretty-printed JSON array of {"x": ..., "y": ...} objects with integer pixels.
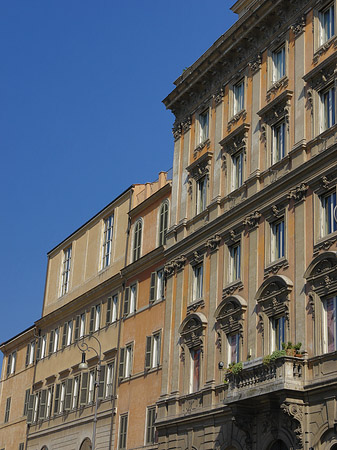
[{"x": 258, "y": 379}]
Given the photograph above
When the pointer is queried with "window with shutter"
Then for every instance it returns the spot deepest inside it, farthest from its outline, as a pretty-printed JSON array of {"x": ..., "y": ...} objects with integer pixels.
[
  {"x": 153, "y": 287},
  {"x": 128, "y": 360},
  {"x": 26, "y": 403},
  {"x": 163, "y": 222},
  {"x": 101, "y": 384},
  {"x": 76, "y": 387},
  {"x": 49, "y": 402},
  {"x": 150, "y": 428},
  {"x": 36, "y": 406},
  {"x": 27, "y": 355},
  {"x": 91, "y": 390},
  {"x": 64, "y": 335},
  {"x": 42, "y": 408},
  {"x": 123, "y": 425},
  {"x": 121, "y": 363},
  {"x": 8, "y": 408},
  {"x": 30, "y": 409},
  {"x": 69, "y": 390},
  {"x": 9, "y": 363},
  {"x": 148, "y": 352},
  {"x": 62, "y": 397},
  {"x": 51, "y": 342},
  {"x": 108, "y": 310},
  {"x": 126, "y": 301},
  {"x": 77, "y": 328},
  {"x": 109, "y": 379},
  {"x": 57, "y": 398},
  {"x": 82, "y": 325},
  {"x": 137, "y": 241},
  {"x": 92, "y": 320},
  {"x": 84, "y": 388}
]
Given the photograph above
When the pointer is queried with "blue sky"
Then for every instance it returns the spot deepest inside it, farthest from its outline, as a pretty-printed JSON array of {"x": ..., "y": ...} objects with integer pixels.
[{"x": 81, "y": 118}]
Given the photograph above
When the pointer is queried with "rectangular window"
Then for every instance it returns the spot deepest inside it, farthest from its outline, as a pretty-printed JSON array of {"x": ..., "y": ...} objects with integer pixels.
[
  {"x": 95, "y": 318},
  {"x": 203, "y": 126},
  {"x": 49, "y": 402},
  {"x": 195, "y": 370},
  {"x": 7, "y": 410},
  {"x": 234, "y": 262},
  {"x": 65, "y": 271},
  {"x": 125, "y": 363},
  {"x": 327, "y": 108},
  {"x": 111, "y": 309},
  {"x": 67, "y": 333},
  {"x": 329, "y": 224},
  {"x": 43, "y": 346},
  {"x": 21, "y": 446},
  {"x": 152, "y": 351},
  {"x": 197, "y": 282},
  {"x": 76, "y": 390},
  {"x": 233, "y": 348},
  {"x": 26, "y": 403},
  {"x": 278, "y": 144},
  {"x": 277, "y": 240},
  {"x": 150, "y": 428},
  {"x": 109, "y": 379},
  {"x": 330, "y": 325},
  {"x": 107, "y": 241},
  {"x": 91, "y": 391},
  {"x": 327, "y": 23},
  {"x": 238, "y": 94},
  {"x": 36, "y": 406},
  {"x": 11, "y": 363},
  {"x": 133, "y": 299},
  {"x": 279, "y": 66},
  {"x": 201, "y": 190},
  {"x": 237, "y": 170},
  {"x": 278, "y": 333},
  {"x": 30, "y": 353},
  {"x": 123, "y": 428},
  {"x": 157, "y": 285}
]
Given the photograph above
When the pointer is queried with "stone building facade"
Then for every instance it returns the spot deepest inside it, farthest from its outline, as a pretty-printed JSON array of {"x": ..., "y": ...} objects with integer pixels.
[{"x": 214, "y": 296}]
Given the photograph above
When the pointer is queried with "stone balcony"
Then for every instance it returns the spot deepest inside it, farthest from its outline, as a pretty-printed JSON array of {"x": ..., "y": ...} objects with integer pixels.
[{"x": 258, "y": 379}]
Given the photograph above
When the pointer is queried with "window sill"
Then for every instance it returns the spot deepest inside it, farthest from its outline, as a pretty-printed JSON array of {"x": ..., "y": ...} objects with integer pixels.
[
  {"x": 236, "y": 117},
  {"x": 325, "y": 242},
  {"x": 195, "y": 305},
  {"x": 323, "y": 48},
  {"x": 230, "y": 288},
  {"x": 281, "y": 83},
  {"x": 201, "y": 146},
  {"x": 275, "y": 266}
]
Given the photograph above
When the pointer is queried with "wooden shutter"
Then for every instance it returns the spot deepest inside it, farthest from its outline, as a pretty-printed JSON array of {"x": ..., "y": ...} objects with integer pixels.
[
  {"x": 9, "y": 363},
  {"x": 159, "y": 349},
  {"x": 126, "y": 301},
  {"x": 30, "y": 409},
  {"x": 135, "y": 299},
  {"x": 64, "y": 335},
  {"x": 153, "y": 287},
  {"x": 84, "y": 388},
  {"x": 69, "y": 390},
  {"x": 121, "y": 363},
  {"x": 92, "y": 320},
  {"x": 108, "y": 310},
  {"x": 57, "y": 398},
  {"x": 148, "y": 352},
  {"x": 42, "y": 407},
  {"x": 77, "y": 328},
  {"x": 38, "y": 351},
  {"x": 101, "y": 383},
  {"x": 51, "y": 342},
  {"x": 25, "y": 407},
  {"x": 27, "y": 355}
]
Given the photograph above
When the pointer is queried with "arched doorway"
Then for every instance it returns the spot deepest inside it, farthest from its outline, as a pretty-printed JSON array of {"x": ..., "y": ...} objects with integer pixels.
[
  {"x": 334, "y": 447},
  {"x": 279, "y": 445},
  {"x": 86, "y": 444}
]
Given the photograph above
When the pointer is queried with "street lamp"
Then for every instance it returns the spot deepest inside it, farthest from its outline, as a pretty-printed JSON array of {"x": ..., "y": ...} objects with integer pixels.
[{"x": 84, "y": 347}]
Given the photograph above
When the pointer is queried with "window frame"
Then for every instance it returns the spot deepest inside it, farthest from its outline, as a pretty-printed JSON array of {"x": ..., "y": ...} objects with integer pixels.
[
  {"x": 110, "y": 376},
  {"x": 235, "y": 258},
  {"x": 238, "y": 169},
  {"x": 277, "y": 240},
  {"x": 276, "y": 73},
  {"x": 277, "y": 334},
  {"x": 238, "y": 94},
  {"x": 11, "y": 363},
  {"x": 150, "y": 431},
  {"x": 66, "y": 270},
  {"x": 157, "y": 286},
  {"x": 278, "y": 141},
  {"x": 137, "y": 240},
  {"x": 122, "y": 431},
  {"x": 197, "y": 282},
  {"x": 326, "y": 328},
  {"x": 153, "y": 350},
  {"x": 328, "y": 224},
  {"x": 195, "y": 370},
  {"x": 237, "y": 346},
  {"x": 163, "y": 222},
  {"x": 201, "y": 194},
  {"x": 321, "y": 38},
  {"x": 327, "y": 118},
  {"x": 203, "y": 119},
  {"x": 108, "y": 226}
]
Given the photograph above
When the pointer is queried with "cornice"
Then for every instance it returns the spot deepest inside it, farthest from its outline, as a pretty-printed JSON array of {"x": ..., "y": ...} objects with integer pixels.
[
  {"x": 17, "y": 340},
  {"x": 143, "y": 263},
  {"x": 150, "y": 200}
]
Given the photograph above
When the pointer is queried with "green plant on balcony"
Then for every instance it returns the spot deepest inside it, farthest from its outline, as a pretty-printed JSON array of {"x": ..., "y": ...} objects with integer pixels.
[
  {"x": 292, "y": 349},
  {"x": 268, "y": 359},
  {"x": 234, "y": 368}
]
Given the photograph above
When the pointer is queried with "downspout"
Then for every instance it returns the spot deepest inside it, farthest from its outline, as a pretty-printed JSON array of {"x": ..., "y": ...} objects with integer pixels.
[
  {"x": 36, "y": 336},
  {"x": 114, "y": 395}
]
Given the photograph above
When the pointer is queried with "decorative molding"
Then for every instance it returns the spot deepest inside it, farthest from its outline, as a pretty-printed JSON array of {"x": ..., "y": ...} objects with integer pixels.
[
  {"x": 298, "y": 193},
  {"x": 277, "y": 109},
  {"x": 274, "y": 268},
  {"x": 280, "y": 84},
  {"x": 196, "y": 258},
  {"x": 231, "y": 288},
  {"x": 174, "y": 266},
  {"x": 213, "y": 243},
  {"x": 192, "y": 332},
  {"x": 194, "y": 306},
  {"x": 325, "y": 244},
  {"x": 322, "y": 274},
  {"x": 311, "y": 304},
  {"x": 218, "y": 96},
  {"x": 273, "y": 296},
  {"x": 298, "y": 27},
  {"x": 240, "y": 115},
  {"x": 323, "y": 74},
  {"x": 229, "y": 315},
  {"x": 182, "y": 127},
  {"x": 252, "y": 221},
  {"x": 236, "y": 141},
  {"x": 295, "y": 412},
  {"x": 255, "y": 64},
  {"x": 324, "y": 48},
  {"x": 201, "y": 146}
]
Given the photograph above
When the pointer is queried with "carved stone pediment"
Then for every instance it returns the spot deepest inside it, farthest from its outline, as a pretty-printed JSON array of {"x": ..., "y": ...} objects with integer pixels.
[
  {"x": 298, "y": 193},
  {"x": 229, "y": 314},
  {"x": 322, "y": 273},
  {"x": 322, "y": 74},
  {"x": 273, "y": 295},
  {"x": 252, "y": 220},
  {"x": 236, "y": 141},
  {"x": 213, "y": 243},
  {"x": 277, "y": 109},
  {"x": 191, "y": 330},
  {"x": 174, "y": 266},
  {"x": 200, "y": 168}
]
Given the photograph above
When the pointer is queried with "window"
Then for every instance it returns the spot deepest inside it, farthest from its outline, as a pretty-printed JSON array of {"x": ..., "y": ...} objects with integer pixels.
[
  {"x": 30, "y": 353},
  {"x": 203, "y": 127},
  {"x": 111, "y": 309},
  {"x": 53, "y": 341},
  {"x": 238, "y": 95},
  {"x": 277, "y": 240},
  {"x": 197, "y": 282},
  {"x": 107, "y": 241},
  {"x": 278, "y": 59},
  {"x": 327, "y": 97},
  {"x": 195, "y": 355},
  {"x": 163, "y": 222},
  {"x": 150, "y": 428},
  {"x": 137, "y": 240},
  {"x": 235, "y": 262},
  {"x": 67, "y": 333},
  {"x": 11, "y": 362},
  {"x": 109, "y": 379},
  {"x": 125, "y": 364},
  {"x": 152, "y": 352},
  {"x": 91, "y": 392},
  {"x": 62, "y": 398},
  {"x": 95, "y": 318},
  {"x": 65, "y": 271},
  {"x": 79, "y": 326},
  {"x": 327, "y": 23},
  {"x": 76, "y": 390},
  {"x": 278, "y": 142},
  {"x": 123, "y": 427},
  {"x": 49, "y": 402},
  {"x": 237, "y": 169},
  {"x": 328, "y": 224},
  {"x": 157, "y": 286},
  {"x": 277, "y": 332},
  {"x": 130, "y": 299},
  {"x": 7, "y": 410},
  {"x": 22, "y": 446},
  {"x": 233, "y": 348},
  {"x": 330, "y": 325},
  {"x": 36, "y": 406},
  {"x": 26, "y": 403},
  {"x": 41, "y": 347},
  {"x": 201, "y": 190}
]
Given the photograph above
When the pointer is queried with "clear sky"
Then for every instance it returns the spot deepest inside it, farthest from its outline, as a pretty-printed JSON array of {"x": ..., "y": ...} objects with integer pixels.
[{"x": 81, "y": 118}]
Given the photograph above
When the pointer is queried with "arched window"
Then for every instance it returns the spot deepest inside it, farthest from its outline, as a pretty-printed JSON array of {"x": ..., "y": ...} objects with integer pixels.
[
  {"x": 278, "y": 445},
  {"x": 86, "y": 444},
  {"x": 191, "y": 331},
  {"x": 322, "y": 288},
  {"x": 273, "y": 300},
  {"x": 137, "y": 239},
  {"x": 163, "y": 222},
  {"x": 230, "y": 316}
]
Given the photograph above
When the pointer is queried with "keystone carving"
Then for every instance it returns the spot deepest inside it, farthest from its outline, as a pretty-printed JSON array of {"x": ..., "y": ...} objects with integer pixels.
[
  {"x": 252, "y": 220},
  {"x": 298, "y": 194},
  {"x": 174, "y": 266},
  {"x": 298, "y": 27},
  {"x": 214, "y": 242},
  {"x": 218, "y": 96},
  {"x": 255, "y": 64}
]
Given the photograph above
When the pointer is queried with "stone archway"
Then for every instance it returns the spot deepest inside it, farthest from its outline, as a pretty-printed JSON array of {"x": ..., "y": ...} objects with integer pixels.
[
  {"x": 86, "y": 444},
  {"x": 278, "y": 445}
]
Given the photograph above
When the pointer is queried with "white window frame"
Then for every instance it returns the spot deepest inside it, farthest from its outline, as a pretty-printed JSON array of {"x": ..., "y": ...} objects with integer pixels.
[
  {"x": 328, "y": 223},
  {"x": 107, "y": 241},
  {"x": 82, "y": 325},
  {"x": 278, "y": 58},
  {"x": 198, "y": 282},
  {"x": 133, "y": 298},
  {"x": 97, "y": 322},
  {"x": 110, "y": 374},
  {"x": 65, "y": 271},
  {"x": 234, "y": 262},
  {"x": 237, "y": 347},
  {"x": 75, "y": 394},
  {"x": 49, "y": 402},
  {"x": 238, "y": 97},
  {"x": 137, "y": 240},
  {"x": 277, "y": 234},
  {"x": 326, "y": 35},
  {"x": 327, "y": 98},
  {"x": 238, "y": 169},
  {"x": 128, "y": 360},
  {"x": 192, "y": 368},
  {"x": 325, "y": 325},
  {"x": 69, "y": 332},
  {"x": 274, "y": 332},
  {"x": 278, "y": 147},
  {"x": 201, "y": 194},
  {"x": 114, "y": 308},
  {"x": 31, "y": 352},
  {"x": 56, "y": 339},
  {"x": 62, "y": 397},
  {"x": 91, "y": 387},
  {"x": 163, "y": 221},
  {"x": 203, "y": 126},
  {"x": 43, "y": 346}
]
